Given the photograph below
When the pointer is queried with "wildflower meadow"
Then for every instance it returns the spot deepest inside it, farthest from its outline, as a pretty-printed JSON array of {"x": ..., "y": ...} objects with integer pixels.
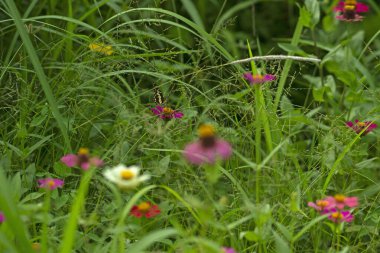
[{"x": 190, "y": 126}]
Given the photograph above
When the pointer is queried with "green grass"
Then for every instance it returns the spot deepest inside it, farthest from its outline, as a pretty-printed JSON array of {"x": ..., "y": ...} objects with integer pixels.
[{"x": 290, "y": 142}]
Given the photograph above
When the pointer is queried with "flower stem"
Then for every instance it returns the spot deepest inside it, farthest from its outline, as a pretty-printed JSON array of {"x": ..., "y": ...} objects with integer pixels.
[{"x": 45, "y": 227}]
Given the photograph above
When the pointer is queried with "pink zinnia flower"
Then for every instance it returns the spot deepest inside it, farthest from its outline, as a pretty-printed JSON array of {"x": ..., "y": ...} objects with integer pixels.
[
  {"x": 340, "y": 201},
  {"x": 166, "y": 112},
  {"x": 340, "y": 216},
  {"x": 358, "y": 126},
  {"x": 208, "y": 148},
  {"x": 349, "y": 10},
  {"x": 50, "y": 183},
  {"x": 145, "y": 209},
  {"x": 228, "y": 250},
  {"x": 253, "y": 79},
  {"x": 2, "y": 217},
  {"x": 322, "y": 205},
  {"x": 82, "y": 160}
]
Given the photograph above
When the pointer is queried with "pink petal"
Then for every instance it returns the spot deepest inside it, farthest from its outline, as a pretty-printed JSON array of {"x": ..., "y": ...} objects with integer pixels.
[
  {"x": 351, "y": 201},
  {"x": 223, "y": 149},
  {"x": 313, "y": 205},
  {"x": 157, "y": 110},
  {"x": 96, "y": 161},
  {"x": 269, "y": 78},
  {"x": 248, "y": 76},
  {"x": 349, "y": 124},
  {"x": 360, "y": 7},
  {"x": 85, "y": 166},
  {"x": 347, "y": 216},
  {"x": 193, "y": 153},
  {"x": 339, "y": 7},
  {"x": 178, "y": 115},
  {"x": 70, "y": 160}
]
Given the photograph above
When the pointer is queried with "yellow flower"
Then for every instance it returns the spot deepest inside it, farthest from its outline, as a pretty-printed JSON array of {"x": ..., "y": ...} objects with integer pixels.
[{"x": 101, "y": 48}]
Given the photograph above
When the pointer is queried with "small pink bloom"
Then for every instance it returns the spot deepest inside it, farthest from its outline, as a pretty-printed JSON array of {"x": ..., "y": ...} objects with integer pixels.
[
  {"x": 2, "y": 217},
  {"x": 50, "y": 183},
  {"x": 253, "y": 79},
  {"x": 145, "y": 209},
  {"x": 322, "y": 205},
  {"x": 166, "y": 112},
  {"x": 82, "y": 160},
  {"x": 228, "y": 250},
  {"x": 340, "y": 201},
  {"x": 358, "y": 126},
  {"x": 196, "y": 153},
  {"x": 208, "y": 148},
  {"x": 340, "y": 216}
]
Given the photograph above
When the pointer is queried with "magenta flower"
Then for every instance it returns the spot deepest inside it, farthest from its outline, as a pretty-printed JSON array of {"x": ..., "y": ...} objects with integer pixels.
[
  {"x": 166, "y": 112},
  {"x": 340, "y": 216},
  {"x": 82, "y": 160},
  {"x": 358, "y": 126},
  {"x": 228, "y": 250},
  {"x": 253, "y": 79},
  {"x": 349, "y": 10},
  {"x": 208, "y": 148},
  {"x": 50, "y": 183},
  {"x": 2, "y": 217}
]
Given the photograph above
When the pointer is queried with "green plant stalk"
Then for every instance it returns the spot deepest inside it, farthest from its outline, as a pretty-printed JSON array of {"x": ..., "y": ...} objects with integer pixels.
[
  {"x": 76, "y": 208},
  {"x": 44, "y": 236},
  {"x": 16, "y": 226},
  {"x": 288, "y": 63},
  {"x": 70, "y": 29},
  {"x": 340, "y": 158},
  {"x": 39, "y": 70}
]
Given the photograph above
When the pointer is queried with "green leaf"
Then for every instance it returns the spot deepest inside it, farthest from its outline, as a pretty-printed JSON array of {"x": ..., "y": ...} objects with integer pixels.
[
  {"x": 281, "y": 245},
  {"x": 318, "y": 94},
  {"x": 312, "y": 7},
  {"x": 163, "y": 165},
  {"x": 250, "y": 236}
]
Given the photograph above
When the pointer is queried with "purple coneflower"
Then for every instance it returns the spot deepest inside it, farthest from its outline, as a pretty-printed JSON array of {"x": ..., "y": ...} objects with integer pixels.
[
  {"x": 208, "y": 148},
  {"x": 82, "y": 160}
]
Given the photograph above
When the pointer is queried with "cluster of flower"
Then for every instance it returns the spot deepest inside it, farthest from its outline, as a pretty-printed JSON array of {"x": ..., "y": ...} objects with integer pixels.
[{"x": 335, "y": 206}]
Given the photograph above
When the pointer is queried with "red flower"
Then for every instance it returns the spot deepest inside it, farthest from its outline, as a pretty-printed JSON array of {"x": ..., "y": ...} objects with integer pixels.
[{"x": 145, "y": 209}]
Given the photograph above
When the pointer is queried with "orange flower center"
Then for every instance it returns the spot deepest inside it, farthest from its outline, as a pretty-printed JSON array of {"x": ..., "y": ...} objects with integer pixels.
[
  {"x": 83, "y": 151},
  {"x": 126, "y": 174},
  {"x": 51, "y": 183},
  {"x": 206, "y": 130},
  {"x": 167, "y": 110},
  {"x": 143, "y": 207},
  {"x": 257, "y": 77},
  {"x": 322, "y": 203},
  {"x": 339, "y": 198},
  {"x": 361, "y": 124},
  {"x": 337, "y": 215}
]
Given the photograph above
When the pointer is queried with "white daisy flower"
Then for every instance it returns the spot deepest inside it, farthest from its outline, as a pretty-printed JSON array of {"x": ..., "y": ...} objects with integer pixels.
[{"x": 125, "y": 177}]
